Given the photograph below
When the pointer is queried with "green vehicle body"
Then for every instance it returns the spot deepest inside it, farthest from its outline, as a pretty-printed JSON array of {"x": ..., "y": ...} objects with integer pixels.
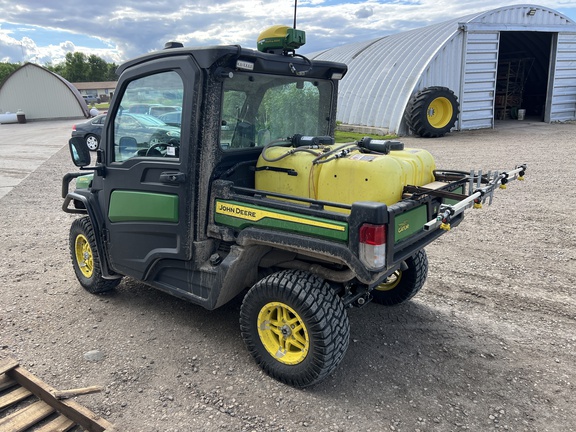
[{"x": 182, "y": 214}]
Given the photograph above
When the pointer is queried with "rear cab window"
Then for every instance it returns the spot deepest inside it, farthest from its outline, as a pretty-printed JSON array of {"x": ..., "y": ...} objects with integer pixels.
[{"x": 258, "y": 109}]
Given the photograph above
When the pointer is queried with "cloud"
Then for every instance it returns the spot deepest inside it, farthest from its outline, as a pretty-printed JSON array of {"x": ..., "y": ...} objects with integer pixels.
[
  {"x": 8, "y": 50},
  {"x": 364, "y": 12},
  {"x": 121, "y": 29}
]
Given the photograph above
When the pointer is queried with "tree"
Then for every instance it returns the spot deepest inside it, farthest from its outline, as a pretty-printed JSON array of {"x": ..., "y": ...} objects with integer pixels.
[
  {"x": 98, "y": 68},
  {"x": 57, "y": 68},
  {"x": 76, "y": 68},
  {"x": 6, "y": 69},
  {"x": 111, "y": 74}
]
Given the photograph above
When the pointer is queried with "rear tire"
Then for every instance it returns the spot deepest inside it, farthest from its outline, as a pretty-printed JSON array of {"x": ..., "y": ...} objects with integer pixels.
[
  {"x": 432, "y": 112},
  {"x": 402, "y": 285},
  {"x": 85, "y": 259},
  {"x": 295, "y": 327}
]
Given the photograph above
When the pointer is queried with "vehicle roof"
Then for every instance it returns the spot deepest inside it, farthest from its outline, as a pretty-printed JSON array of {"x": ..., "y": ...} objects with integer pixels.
[
  {"x": 227, "y": 55},
  {"x": 171, "y": 113},
  {"x": 91, "y": 119}
]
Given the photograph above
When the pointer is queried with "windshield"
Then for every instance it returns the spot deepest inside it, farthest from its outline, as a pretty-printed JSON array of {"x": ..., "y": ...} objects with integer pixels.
[{"x": 258, "y": 109}]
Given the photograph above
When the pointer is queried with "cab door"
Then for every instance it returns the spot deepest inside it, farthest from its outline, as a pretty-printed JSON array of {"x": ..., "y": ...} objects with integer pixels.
[{"x": 147, "y": 188}]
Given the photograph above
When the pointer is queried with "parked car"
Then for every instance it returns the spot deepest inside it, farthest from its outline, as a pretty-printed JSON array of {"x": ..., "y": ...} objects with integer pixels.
[
  {"x": 91, "y": 99},
  {"x": 146, "y": 129},
  {"x": 173, "y": 118},
  {"x": 140, "y": 108},
  {"x": 157, "y": 111},
  {"x": 90, "y": 130}
]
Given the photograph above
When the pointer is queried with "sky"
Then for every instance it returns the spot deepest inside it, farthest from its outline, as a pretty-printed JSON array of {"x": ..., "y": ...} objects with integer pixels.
[{"x": 44, "y": 31}]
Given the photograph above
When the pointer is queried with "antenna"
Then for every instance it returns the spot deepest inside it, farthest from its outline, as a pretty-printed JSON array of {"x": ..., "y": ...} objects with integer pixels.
[{"x": 295, "y": 6}]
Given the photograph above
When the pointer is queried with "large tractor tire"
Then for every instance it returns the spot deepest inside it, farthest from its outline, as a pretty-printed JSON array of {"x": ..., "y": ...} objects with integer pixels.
[
  {"x": 402, "y": 285},
  {"x": 295, "y": 327},
  {"x": 432, "y": 112},
  {"x": 85, "y": 259}
]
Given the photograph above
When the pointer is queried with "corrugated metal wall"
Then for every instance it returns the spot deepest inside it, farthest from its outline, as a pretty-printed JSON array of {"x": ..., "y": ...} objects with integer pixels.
[
  {"x": 517, "y": 15},
  {"x": 460, "y": 54},
  {"x": 563, "y": 101},
  {"x": 40, "y": 94},
  {"x": 479, "y": 80},
  {"x": 384, "y": 73}
]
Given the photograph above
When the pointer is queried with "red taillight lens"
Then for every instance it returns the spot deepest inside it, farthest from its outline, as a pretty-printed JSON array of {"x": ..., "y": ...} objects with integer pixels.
[
  {"x": 372, "y": 247},
  {"x": 74, "y": 127},
  {"x": 373, "y": 234}
]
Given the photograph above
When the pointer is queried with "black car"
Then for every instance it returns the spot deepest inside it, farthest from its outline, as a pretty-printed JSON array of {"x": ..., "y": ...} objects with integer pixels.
[
  {"x": 173, "y": 118},
  {"x": 145, "y": 129},
  {"x": 90, "y": 130}
]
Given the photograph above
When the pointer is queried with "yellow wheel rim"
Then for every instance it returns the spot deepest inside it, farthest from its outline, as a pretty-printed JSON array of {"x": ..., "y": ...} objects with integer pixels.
[
  {"x": 391, "y": 282},
  {"x": 84, "y": 256},
  {"x": 439, "y": 112},
  {"x": 283, "y": 333}
]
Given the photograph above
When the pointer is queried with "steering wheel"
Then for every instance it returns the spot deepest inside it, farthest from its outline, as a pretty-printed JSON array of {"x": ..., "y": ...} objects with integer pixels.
[{"x": 155, "y": 150}]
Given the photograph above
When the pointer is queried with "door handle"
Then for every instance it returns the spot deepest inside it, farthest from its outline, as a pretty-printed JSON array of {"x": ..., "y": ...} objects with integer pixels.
[{"x": 172, "y": 177}]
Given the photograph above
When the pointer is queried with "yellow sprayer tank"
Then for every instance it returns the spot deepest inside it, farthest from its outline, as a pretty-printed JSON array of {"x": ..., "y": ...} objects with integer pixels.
[
  {"x": 355, "y": 177},
  {"x": 289, "y": 175}
]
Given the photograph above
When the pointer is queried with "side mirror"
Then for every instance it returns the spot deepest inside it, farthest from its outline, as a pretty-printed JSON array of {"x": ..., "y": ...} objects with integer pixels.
[{"x": 79, "y": 152}]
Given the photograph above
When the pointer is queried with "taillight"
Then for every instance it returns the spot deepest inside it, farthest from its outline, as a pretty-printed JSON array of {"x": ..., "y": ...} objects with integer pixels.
[
  {"x": 74, "y": 127},
  {"x": 373, "y": 246}
]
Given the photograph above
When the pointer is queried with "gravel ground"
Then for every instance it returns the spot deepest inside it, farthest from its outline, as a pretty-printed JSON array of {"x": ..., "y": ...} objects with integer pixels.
[{"x": 489, "y": 343}]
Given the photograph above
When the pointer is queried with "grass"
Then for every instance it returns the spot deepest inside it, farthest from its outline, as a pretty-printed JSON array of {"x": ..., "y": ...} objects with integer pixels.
[{"x": 343, "y": 137}]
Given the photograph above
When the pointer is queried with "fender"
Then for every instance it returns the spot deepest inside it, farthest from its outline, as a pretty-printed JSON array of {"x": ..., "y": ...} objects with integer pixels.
[{"x": 92, "y": 209}]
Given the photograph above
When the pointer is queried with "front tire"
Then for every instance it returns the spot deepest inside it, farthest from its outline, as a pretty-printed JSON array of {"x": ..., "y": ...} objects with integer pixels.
[
  {"x": 85, "y": 259},
  {"x": 295, "y": 327},
  {"x": 92, "y": 142},
  {"x": 402, "y": 285},
  {"x": 432, "y": 112}
]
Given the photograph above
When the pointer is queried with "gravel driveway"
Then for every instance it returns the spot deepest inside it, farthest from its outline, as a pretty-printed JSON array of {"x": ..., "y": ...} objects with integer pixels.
[{"x": 489, "y": 343}]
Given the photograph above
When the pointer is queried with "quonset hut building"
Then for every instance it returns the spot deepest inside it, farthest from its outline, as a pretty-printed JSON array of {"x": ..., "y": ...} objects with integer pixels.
[
  {"x": 462, "y": 74},
  {"x": 41, "y": 95}
]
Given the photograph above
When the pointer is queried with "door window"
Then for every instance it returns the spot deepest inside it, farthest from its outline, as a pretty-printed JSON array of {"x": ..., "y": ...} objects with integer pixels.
[{"x": 148, "y": 123}]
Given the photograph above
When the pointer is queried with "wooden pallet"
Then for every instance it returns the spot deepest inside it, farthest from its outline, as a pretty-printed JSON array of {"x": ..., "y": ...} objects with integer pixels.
[{"x": 33, "y": 405}]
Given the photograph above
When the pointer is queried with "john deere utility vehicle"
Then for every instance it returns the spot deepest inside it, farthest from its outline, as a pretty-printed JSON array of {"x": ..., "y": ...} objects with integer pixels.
[{"x": 247, "y": 194}]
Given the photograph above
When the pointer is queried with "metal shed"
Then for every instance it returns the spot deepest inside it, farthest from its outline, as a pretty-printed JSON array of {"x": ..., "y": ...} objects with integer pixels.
[
  {"x": 520, "y": 57},
  {"x": 41, "y": 94}
]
